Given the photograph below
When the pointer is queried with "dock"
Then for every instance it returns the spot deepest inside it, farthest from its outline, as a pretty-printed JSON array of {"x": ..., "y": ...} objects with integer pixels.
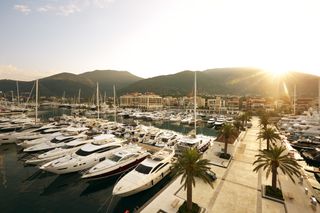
[{"x": 238, "y": 188}]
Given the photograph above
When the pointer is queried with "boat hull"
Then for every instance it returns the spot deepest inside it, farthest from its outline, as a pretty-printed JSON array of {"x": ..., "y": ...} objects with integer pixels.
[{"x": 114, "y": 172}]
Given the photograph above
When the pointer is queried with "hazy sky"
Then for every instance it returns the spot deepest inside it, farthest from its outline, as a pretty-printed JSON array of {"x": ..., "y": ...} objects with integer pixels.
[{"x": 154, "y": 37}]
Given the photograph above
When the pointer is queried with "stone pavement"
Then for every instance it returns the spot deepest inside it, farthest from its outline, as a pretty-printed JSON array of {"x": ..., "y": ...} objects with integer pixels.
[{"x": 238, "y": 188}]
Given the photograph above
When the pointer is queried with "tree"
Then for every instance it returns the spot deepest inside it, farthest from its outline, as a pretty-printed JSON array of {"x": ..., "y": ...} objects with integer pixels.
[
  {"x": 238, "y": 125},
  {"x": 190, "y": 165},
  {"x": 227, "y": 133},
  {"x": 264, "y": 121},
  {"x": 270, "y": 135},
  {"x": 244, "y": 118},
  {"x": 273, "y": 159}
]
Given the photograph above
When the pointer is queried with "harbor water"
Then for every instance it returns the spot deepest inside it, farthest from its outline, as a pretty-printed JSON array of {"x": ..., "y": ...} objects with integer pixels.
[{"x": 28, "y": 189}]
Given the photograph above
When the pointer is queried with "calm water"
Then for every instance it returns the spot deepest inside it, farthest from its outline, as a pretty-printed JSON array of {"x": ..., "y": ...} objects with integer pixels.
[{"x": 28, "y": 189}]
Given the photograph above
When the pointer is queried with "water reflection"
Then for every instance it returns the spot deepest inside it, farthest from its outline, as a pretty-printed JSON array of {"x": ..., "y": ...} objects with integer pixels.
[
  {"x": 3, "y": 175},
  {"x": 61, "y": 183},
  {"x": 99, "y": 185}
]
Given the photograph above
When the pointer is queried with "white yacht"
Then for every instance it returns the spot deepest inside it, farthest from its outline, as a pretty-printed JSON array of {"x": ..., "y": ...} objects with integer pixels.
[
  {"x": 26, "y": 134},
  {"x": 86, "y": 157},
  {"x": 200, "y": 142},
  {"x": 152, "y": 135},
  {"x": 148, "y": 173},
  {"x": 69, "y": 148},
  {"x": 123, "y": 160},
  {"x": 44, "y": 138},
  {"x": 56, "y": 142},
  {"x": 167, "y": 138}
]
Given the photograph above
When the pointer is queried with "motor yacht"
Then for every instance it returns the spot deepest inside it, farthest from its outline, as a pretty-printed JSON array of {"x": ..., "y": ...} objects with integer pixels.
[
  {"x": 69, "y": 148},
  {"x": 31, "y": 133},
  {"x": 152, "y": 136},
  {"x": 123, "y": 160},
  {"x": 200, "y": 142},
  {"x": 86, "y": 157},
  {"x": 147, "y": 174},
  {"x": 167, "y": 138},
  {"x": 56, "y": 142}
]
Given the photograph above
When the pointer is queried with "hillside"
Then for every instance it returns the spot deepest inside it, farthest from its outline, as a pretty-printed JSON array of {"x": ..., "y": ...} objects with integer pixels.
[
  {"x": 70, "y": 84},
  {"x": 233, "y": 81},
  {"x": 224, "y": 81}
]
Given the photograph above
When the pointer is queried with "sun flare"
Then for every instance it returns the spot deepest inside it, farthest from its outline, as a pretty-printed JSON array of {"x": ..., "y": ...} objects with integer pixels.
[{"x": 277, "y": 72}]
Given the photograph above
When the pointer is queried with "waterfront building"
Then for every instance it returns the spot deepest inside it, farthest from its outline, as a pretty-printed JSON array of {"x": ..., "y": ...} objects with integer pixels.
[
  {"x": 170, "y": 101},
  {"x": 303, "y": 104},
  {"x": 147, "y": 101},
  {"x": 232, "y": 105}
]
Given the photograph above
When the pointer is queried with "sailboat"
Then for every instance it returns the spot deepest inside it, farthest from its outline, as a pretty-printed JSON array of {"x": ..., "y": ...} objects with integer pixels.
[{"x": 193, "y": 140}]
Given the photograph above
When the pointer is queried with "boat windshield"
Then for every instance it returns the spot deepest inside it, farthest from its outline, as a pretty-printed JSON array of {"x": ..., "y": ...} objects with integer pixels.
[
  {"x": 143, "y": 169},
  {"x": 115, "y": 158},
  {"x": 81, "y": 152}
]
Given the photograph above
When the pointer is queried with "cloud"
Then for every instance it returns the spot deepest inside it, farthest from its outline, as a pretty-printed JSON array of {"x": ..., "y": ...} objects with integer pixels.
[
  {"x": 22, "y": 8},
  {"x": 45, "y": 8},
  {"x": 70, "y": 7},
  {"x": 101, "y": 3}
]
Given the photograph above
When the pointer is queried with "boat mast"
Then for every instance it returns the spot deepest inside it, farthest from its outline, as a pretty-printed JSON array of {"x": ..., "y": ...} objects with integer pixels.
[
  {"x": 319, "y": 98},
  {"x": 114, "y": 103},
  {"x": 195, "y": 103},
  {"x": 79, "y": 94},
  {"x": 294, "y": 99},
  {"x": 18, "y": 93},
  {"x": 12, "y": 96},
  {"x": 98, "y": 100},
  {"x": 36, "y": 101}
]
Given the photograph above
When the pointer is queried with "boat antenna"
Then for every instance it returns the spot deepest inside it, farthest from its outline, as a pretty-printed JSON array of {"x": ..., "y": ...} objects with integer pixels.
[
  {"x": 98, "y": 100},
  {"x": 114, "y": 103},
  {"x": 195, "y": 103},
  {"x": 37, "y": 90}
]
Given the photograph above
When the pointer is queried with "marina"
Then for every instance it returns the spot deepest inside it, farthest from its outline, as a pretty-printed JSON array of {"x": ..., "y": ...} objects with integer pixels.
[{"x": 72, "y": 191}]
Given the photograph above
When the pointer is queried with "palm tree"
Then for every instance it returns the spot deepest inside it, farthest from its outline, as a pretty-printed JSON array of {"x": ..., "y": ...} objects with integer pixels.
[
  {"x": 190, "y": 165},
  {"x": 270, "y": 135},
  {"x": 275, "y": 158},
  {"x": 264, "y": 121},
  {"x": 238, "y": 125},
  {"x": 227, "y": 133}
]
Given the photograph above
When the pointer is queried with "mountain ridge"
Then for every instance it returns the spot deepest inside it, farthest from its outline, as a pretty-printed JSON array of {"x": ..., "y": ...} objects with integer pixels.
[{"x": 221, "y": 81}]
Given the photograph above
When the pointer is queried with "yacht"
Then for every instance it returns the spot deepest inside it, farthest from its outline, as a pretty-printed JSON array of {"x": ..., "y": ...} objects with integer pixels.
[
  {"x": 200, "y": 142},
  {"x": 211, "y": 122},
  {"x": 167, "y": 138},
  {"x": 86, "y": 157},
  {"x": 123, "y": 160},
  {"x": 45, "y": 137},
  {"x": 31, "y": 133},
  {"x": 152, "y": 136},
  {"x": 68, "y": 148},
  {"x": 147, "y": 174}
]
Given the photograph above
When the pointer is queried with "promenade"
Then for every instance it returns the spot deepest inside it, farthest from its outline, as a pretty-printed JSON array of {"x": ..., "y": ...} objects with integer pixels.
[{"x": 237, "y": 188}]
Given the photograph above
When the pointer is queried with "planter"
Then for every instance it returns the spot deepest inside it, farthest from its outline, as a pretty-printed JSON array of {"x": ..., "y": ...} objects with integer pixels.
[
  {"x": 183, "y": 208},
  {"x": 269, "y": 193},
  {"x": 225, "y": 156}
]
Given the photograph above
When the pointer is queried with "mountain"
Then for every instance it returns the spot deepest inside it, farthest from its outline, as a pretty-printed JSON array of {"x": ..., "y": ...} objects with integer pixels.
[
  {"x": 224, "y": 81},
  {"x": 70, "y": 84}
]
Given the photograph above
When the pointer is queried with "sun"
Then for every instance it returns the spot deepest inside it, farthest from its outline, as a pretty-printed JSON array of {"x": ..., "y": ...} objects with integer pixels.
[{"x": 277, "y": 73}]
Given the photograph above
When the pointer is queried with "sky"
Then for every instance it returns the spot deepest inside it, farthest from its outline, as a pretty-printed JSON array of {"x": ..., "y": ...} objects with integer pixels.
[{"x": 157, "y": 37}]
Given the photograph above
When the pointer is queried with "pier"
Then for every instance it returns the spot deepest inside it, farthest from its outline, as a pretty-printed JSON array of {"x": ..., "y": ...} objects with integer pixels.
[{"x": 238, "y": 188}]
